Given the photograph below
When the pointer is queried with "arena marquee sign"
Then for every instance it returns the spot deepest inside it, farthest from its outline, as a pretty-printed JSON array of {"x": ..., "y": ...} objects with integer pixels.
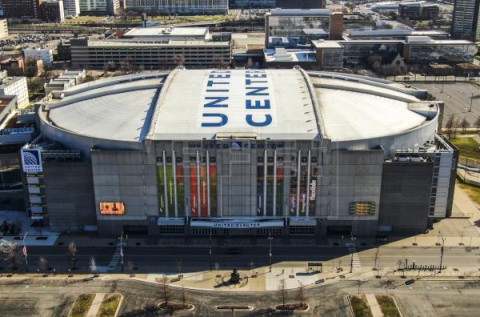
[{"x": 236, "y": 223}]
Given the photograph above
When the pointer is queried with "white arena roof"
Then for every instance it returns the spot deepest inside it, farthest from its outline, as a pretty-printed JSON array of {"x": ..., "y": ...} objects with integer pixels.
[{"x": 287, "y": 104}]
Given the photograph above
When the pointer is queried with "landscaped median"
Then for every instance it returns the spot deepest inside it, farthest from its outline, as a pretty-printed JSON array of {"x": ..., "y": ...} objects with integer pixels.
[
  {"x": 388, "y": 306},
  {"x": 110, "y": 305},
  {"x": 383, "y": 306},
  {"x": 359, "y": 306},
  {"x": 82, "y": 305}
]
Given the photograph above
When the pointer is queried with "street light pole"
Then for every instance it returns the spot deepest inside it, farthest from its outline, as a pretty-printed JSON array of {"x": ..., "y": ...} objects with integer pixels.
[
  {"x": 121, "y": 252},
  {"x": 25, "y": 254},
  {"x": 210, "y": 250},
  {"x": 351, "y": 258},
  {"x": 270, "y": 238},
  {"x": 441, "y": 252}
]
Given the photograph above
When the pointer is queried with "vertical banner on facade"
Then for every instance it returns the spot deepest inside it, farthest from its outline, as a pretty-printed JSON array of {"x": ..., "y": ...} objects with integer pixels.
[
  {"x": 269, "y": 191},
  {"x": 292, "y": 199},
  {"x": 180, "y": 191},
  {"x": 170, "y": 191},
  {"x": 213, "y": 190},
  {"x": 260, "y": 197},
  {"x": 312, "y": 192},
  {"x": 279, "y": 201},
  {"x": 303, "y": 189},
  {"x": 193, "y": 191},
  {"x": 161, "y": 191},
  {"x": 203, "y": 191}
]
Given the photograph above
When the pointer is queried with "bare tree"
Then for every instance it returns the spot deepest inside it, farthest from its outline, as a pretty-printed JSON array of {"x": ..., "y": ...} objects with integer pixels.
[
  {"x": 450, "y": 126},
  {"x": 93, "y": 265},
  {"x": 165, "y": 290},
  {"x": 301, "y": 293},
  {"x": 130, "y": 267},
  {"x": 477, "y": 123},
  {"x": 72, "y": 254},
  {"x": 282, "y": 291},
  {"x": 11, "y": 255},
  {"x": 184, "y": 299},
  {"x": 179, "y": 265},
  {"x": 464, "y": 124},
  {"x": 42, "y": 264},
  {"x": 179, "y": 60}
]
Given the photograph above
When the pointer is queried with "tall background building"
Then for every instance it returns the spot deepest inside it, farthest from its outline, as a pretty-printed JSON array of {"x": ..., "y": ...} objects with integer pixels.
[
  {"x": 71, "y": 7},
  {"x": 465, "y": 19},
  {"x": 22, "y": 8}
]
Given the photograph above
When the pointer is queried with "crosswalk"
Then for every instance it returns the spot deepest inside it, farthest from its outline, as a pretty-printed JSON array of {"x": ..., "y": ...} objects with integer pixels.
[{"x": 355, "y": 258}]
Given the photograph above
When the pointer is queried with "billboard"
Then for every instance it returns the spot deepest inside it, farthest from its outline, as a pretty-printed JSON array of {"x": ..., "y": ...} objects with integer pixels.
[
  {"x": 112, "y": 208},
  {"x": 32, "y": 160},
  {"x": 362, "y": 208},
  {"x": 213, "y": 190}
]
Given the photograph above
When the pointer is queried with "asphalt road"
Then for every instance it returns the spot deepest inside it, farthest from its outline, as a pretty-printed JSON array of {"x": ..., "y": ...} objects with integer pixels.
[
  {"x": 49, "y": 297},
  {"x": 175, "y": 259}
]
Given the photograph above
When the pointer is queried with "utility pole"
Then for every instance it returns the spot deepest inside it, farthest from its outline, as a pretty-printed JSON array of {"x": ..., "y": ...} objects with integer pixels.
[
  {"x": 351, "y": 258},
  {"x": 441, "y": 251},
  {"x": 270, "y": 238},
  {"x": 121, "y": 252}
]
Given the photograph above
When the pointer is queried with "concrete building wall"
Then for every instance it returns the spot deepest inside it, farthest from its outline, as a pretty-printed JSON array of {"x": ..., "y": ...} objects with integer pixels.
[
  {"x": 405, "y": 196},
  {"x": 3, "y": 28},
  {"x": 69, "y": 195}
]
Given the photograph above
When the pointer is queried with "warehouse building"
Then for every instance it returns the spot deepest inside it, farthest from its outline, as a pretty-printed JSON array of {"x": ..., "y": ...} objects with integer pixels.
[{"x": 240, "y": 152}]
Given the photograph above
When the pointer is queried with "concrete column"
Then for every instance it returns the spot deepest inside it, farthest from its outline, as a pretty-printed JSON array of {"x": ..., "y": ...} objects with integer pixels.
[
  {"x": 208, "y": 183},
  {"x": 274, "y": 183},
  {"x": 308, "y": 182},
  {"x": 174, "y": 167},
  {"x": 165, "y": 183},
  {"x": 299, "y": 161}
]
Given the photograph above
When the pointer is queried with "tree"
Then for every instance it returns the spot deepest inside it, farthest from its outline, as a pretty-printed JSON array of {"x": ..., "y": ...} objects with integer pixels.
[
  {"x": 165, "y": 290},
  {"x": 130, "y": 267},
  {"x": 72, "y": 254},
  {"x": 93, "y": 265},
  {"x": 477, "y": 123},
  {"x": 282, "y": 291},
  {"x": 11, "y": 255},
  {"x": 301, "y": 294},
  {"x": 464, "y": 124},
  {"x": 450, "y": 126},
  {"x": 42, "y": 264},
  {"x": 183, "y": 296}
]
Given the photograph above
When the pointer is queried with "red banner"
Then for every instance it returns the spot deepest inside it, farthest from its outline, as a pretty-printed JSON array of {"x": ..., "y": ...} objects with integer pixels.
[
  {"x": 193, "y": 191},
  {"x": 204, "y": 191}
]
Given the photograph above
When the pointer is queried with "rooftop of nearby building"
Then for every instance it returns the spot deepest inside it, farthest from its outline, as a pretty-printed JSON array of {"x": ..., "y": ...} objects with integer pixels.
[{"x": 167, "y": 31}]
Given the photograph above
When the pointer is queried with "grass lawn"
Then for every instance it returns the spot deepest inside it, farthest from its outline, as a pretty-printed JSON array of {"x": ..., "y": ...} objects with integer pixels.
[
  {"x": 360, "y": 307},
  {"x": 81, "y": 305},
  {"x": 468, "y": 147},
  {"x": 388, "y": 306},
  {"x": 472, "y": 191},
  {"x": 109, "y": 305}
]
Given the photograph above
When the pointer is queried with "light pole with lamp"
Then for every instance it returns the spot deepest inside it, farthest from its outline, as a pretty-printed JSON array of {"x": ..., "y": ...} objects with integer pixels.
[
  {"x": 441, "y": 251},
  {"x": 210, "y": 250},
  {"x": 270, "y": 238},
  {"x": 121, "y": 252},
  {"x": 351, "y": 258},
  {"x": 24, "y": 250}
]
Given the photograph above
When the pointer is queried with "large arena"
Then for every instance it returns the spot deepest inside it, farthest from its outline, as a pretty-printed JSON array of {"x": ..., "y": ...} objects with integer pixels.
[{"x": 240, "y": 152}]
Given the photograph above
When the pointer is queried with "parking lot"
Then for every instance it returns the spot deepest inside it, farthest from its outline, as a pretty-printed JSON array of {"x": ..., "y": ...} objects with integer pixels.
[{"x": 462, "y": 99}]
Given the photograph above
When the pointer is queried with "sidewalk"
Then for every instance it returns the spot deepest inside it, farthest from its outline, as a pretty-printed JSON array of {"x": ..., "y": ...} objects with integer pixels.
[
  {"x": 374, "y": 307},
  {"x": 97, "y": 302}
]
